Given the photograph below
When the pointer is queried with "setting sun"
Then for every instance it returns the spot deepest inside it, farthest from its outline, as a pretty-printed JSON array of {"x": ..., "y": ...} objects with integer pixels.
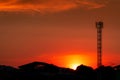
[
  {"x": 73, "y": 61},
  {"x": 67, "y": 60},
  {"x": 74, "y": 66}
]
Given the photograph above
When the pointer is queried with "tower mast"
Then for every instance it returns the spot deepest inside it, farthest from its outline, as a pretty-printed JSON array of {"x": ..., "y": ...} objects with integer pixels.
[{"x": 99, "y": 26}]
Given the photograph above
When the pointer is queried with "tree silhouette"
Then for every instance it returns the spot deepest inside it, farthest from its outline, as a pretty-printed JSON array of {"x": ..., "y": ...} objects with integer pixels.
[
  {"x": 106, "y": 73},
  {"x": 45, "y": 71},
  {"x": 117, "y": 69},
  {"x": 86, "y": 72},
  {"x": 8, "y": 73}
]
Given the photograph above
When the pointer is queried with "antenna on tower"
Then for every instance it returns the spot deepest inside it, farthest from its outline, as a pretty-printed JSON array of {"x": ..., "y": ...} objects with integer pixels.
[{"x": 99, "y": 26}]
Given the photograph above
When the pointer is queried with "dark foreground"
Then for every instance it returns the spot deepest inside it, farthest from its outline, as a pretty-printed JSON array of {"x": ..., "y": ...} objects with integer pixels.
[{"x": 44, "y": 71}]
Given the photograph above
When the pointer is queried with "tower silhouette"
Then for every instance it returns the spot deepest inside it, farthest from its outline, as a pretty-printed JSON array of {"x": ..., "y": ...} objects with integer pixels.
[{"x": 99, "y": 26}]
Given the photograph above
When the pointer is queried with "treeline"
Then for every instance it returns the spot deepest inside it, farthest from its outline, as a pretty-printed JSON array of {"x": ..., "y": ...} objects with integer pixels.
[{"x": 45, "y": 71}]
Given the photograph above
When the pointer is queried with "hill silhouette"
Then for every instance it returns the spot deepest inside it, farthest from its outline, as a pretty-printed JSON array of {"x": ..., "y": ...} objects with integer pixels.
[{"x": 45, "y": 71}]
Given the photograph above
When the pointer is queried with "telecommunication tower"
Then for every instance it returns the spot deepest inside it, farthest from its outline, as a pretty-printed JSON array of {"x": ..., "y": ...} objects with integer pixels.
[{"x": 99, "y": 26}]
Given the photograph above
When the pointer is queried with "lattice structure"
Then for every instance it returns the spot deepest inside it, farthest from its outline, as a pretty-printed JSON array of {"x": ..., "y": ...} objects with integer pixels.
[{"x": 99, "y": 26}]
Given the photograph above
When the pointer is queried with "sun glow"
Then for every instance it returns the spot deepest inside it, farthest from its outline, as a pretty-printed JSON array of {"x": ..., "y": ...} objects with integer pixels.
[
  {"x": 74, "y": 66},
  {"x": 67, "y": 60},
  {"x": 74, "y": 61}
]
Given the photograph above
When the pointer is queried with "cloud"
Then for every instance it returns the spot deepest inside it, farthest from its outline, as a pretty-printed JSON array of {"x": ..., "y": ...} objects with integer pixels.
[{"x": 43, "y": 6}]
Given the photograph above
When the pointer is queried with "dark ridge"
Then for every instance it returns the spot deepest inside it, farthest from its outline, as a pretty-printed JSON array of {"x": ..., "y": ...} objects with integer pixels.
[{"x": 45, "y": 71}]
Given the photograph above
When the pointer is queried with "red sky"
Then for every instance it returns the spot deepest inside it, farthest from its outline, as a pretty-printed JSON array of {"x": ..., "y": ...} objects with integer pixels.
[{"x": 61, "y": 32}]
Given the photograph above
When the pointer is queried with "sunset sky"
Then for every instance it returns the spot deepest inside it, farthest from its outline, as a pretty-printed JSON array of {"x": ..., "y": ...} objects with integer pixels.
[{"x": 60, "y": 32}]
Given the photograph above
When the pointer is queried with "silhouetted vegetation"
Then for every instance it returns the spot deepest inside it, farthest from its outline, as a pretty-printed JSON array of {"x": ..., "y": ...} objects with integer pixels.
[{"x": 45, "y": 71}]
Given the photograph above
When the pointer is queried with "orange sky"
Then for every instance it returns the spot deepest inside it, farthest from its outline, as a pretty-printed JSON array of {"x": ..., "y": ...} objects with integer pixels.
[
  {"x": 60, "y": 32},
  {"x": 44, "y": 6}
]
